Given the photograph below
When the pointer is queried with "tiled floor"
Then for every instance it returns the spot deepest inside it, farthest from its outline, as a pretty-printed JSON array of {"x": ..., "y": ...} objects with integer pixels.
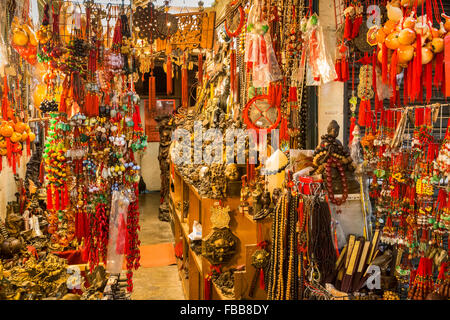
[{"x": 157, "y": 283}]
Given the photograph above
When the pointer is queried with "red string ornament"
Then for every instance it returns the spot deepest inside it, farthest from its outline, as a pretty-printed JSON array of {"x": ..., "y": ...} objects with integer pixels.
[
  {"x": 184, "y": 85},
  {"x": 169, "y": 80}
]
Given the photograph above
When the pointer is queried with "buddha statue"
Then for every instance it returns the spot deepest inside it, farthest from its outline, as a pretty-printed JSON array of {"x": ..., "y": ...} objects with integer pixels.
[{"x": 332, "y": 159}]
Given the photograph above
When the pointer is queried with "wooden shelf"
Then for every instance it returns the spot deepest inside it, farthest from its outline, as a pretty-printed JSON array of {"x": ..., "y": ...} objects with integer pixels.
[
  {"x": 242, "y": 225},
  {"x": 197, "y": 259},
  {"x": 182, "y": 279}
]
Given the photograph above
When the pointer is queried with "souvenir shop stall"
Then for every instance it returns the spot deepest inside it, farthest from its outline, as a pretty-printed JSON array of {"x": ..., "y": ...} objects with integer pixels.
[
  {"x": 307, "y": 215},
  {"x": 273, "y": 188}
]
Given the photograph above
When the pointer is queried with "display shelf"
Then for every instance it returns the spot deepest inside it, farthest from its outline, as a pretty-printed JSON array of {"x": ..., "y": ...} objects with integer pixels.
[
  {"x": 182, "y": 280},
  {"x": 249, "y": 232},
  {"x": 197, "y": 259}
]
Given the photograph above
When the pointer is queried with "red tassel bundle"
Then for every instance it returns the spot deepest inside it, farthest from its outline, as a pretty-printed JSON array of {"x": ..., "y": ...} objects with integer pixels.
[
  {"x": 393, "y": 75},
  {"x": 169, "y": 80},
  {"x": 184, "y": 87},
  {"x": 338, "y": 69},
  {"x": 207, "y": 287},
  {"x": 364, "y": 114},
  {"x": 352, "y": 127},
  {"x": 344, "y": 70},
  {"x": 49, "y": 198},
  {"x": 233, "y": 72},
  {"x": 447, "y": 65},
  {"x": 151, "y": 92},
  {"x": 384, "y": 63},
  {"x": 428, "y": 80},
  {"x": 417, "y": 67},
  {"x": 356, "y": 26},
  {"x": 438, "y": 70},
  {"x": 57, "y": 202},
  {"x": 66, "y": 196},
  {"x": 348, "y": 28},
  {"x": 117, "y": 37},
  {"x": 262, "y": 283},
  {"x": 28, "y": 147},
  {"x": 81, "y": 225},
  {"x": 292, "y": 94},
  {"x": 284, "y": 134}
]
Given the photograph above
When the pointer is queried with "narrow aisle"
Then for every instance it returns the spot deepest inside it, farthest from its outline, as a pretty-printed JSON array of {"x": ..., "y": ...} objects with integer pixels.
[{"x": 155, "y": 283}]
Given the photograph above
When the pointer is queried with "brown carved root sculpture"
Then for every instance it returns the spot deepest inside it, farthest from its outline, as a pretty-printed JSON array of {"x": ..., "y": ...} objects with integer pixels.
[{"x": 165, "y": 127}]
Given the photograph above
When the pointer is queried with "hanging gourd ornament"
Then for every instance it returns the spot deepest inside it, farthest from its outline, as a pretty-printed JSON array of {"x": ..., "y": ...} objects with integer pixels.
[
  {"x": 392, "y": 40},
  {"x": 6, "y": 130},
  {"x": 405, "y": 54},
  {"x": 410, "y": 3},
  {"x": 15, "y": 137},
  {"x": 20, "y": 127},
  {"x": 407, "y": 36},
  {"x": 394, "y": 12},
  {"x": 24, "y": 41}
]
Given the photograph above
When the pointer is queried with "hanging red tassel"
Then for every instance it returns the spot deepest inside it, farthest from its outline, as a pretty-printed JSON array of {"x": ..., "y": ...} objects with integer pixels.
[
  {"x": 136, "y": 118},
  {"x": 200, "y": 69},
  {"x": 410, "y": 81},
  {"x": 348, "y": 28},
  {"x": 169, "y": 79},
  {"x": 151, "y": 92},
  {"x": 356, "y": 26},
  {"x": 438, "y": 70},
  {"x": 447, "y": 65},
  {"x": 362, "y": 113},
  {"x": 233, "y": 72},
  {"x": 338, "y": 69},
  {"x": 49, "y": 198},
  {"x": 9, "y": 151},
  {"x": 393, "y": 75},
  {"x": 344, "y": 70},
  {"x": 207, "y": 287},
  {"x": 262, "y": 283},
  {"x": 417, "y": 63},
  {"x": 28, "y": 147},
  {"x": 368, "y": 115},
  {"x": 117, "y": 37},
  {"x": 292, "y": 94},
  {"x": 57, "y": 202},
  {"x": 263, "y": 48},
  {"x": 352, "y": 127},
  {"x": 184, "y": 86},
  {"x": 429, "y": 80},
  {"x": 66, "y": 196},
  {"x": 384, "y": 63},
  {"x": 405, "y": 86},
  {"x": 284, "y": 135}
]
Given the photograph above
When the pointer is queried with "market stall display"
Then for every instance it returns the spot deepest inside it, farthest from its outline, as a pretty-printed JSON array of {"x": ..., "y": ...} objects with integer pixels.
[{"x": 261, "y": 206}]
